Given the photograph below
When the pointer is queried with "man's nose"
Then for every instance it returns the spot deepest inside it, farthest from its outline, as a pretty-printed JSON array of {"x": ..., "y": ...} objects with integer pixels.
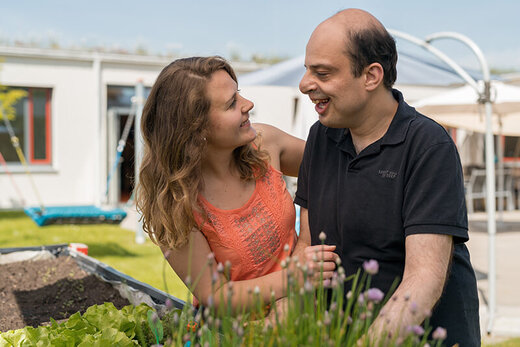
[{"x": 306, "y": 84}]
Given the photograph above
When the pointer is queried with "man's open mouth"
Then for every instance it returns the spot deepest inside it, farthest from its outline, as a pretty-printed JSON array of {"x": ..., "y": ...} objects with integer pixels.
[{"x": 320, "y": 103}]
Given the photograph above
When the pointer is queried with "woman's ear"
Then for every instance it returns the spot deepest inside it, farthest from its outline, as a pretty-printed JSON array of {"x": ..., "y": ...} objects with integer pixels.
[{"x": 373, "y": 76}]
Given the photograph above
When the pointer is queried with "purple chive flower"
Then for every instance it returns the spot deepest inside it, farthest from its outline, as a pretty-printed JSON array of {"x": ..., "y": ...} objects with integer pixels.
[
  {"x": 439, "y": 334},
  {"x": 361, "y": 299},
  {"x": 375, "y": 295},
  {"x": 415, "y": 329},
  {"x": 154, "y": 317},
  {"x": 169, "y": 304},
  {"x": 371, "y": 267},
  {"x": 326, "y": 319},
  {"x": 210, "y": 301},
  {"x": 308, "y": 286}
]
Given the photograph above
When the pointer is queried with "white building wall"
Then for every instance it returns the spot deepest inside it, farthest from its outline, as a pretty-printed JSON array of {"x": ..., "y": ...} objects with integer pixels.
[
  {"x": 72, "y": 131},
  {"x": 274, "y": 105},
  {"x": 79, "y": 166}
]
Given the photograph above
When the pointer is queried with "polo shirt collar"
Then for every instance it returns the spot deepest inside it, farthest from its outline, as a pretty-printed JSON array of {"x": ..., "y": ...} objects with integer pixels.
[
  {"x": 398, "y": 128},
  {"x": 396, "y": 132}
]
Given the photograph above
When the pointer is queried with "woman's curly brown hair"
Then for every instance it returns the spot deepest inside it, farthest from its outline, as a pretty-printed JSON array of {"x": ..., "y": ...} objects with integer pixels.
[{"x": 174, "y": 125}]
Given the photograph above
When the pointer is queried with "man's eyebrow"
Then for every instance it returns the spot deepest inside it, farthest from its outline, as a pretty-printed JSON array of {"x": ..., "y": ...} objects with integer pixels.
[{"x": 319, "y": 66}]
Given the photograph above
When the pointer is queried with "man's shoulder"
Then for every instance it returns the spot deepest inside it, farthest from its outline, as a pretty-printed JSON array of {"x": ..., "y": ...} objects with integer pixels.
[
  {"x": 317, "y": 128},
  {"x": 319, "y": 132},
  {"x": 427, "y": 131}
]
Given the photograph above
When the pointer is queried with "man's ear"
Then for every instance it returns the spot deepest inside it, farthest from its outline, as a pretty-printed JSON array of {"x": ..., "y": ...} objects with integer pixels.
[{"x": 373, "y": 76}]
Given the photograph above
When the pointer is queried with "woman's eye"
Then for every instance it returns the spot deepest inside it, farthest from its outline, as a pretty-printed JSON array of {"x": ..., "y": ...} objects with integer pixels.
[{"x": 233, "y": 104}]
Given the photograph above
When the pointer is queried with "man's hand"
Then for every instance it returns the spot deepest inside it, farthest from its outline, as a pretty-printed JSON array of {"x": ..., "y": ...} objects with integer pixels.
[
  {"x": 321, "y": 261},
  {"x": 426, "y": 266}
]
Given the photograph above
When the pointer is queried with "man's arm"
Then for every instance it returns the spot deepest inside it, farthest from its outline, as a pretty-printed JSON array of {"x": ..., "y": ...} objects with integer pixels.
[{"x": 426, "y": 266}]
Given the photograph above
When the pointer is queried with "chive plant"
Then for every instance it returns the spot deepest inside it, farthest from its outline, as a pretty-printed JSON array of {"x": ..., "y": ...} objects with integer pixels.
[{"x": 312, "y": 314}]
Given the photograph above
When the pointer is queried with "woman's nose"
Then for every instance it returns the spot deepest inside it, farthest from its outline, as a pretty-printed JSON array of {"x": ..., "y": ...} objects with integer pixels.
[{"x": 248, "y": 105}]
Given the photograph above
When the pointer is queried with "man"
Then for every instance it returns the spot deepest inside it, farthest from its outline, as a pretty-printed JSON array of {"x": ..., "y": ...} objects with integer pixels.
[{"x": 385, "y": 182}]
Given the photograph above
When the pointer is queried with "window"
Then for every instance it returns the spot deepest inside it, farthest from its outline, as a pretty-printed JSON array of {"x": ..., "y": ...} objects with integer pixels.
[
  {"x": 121, "y": 96},
  {"x": 511, "y": 148},
  {"x": 32, "y": 126}
]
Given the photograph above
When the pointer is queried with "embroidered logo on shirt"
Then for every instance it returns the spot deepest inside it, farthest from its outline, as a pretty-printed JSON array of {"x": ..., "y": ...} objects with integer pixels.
[{"x": 387, "y": 174}]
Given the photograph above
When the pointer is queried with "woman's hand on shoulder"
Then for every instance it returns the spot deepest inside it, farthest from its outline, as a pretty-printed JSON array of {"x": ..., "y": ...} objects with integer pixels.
[{"x": 286, "y": 151}]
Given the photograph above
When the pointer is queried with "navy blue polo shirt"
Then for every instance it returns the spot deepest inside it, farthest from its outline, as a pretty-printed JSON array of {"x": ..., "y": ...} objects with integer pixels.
[{"x": 408, "y": 182}]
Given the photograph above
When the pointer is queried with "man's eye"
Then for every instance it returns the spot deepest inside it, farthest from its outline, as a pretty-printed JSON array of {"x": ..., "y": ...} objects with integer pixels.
[{"x": 322, "y": 74}]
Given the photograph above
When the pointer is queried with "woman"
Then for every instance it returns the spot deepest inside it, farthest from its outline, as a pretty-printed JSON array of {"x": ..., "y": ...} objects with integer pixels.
[{"x": 210, "y": 186}]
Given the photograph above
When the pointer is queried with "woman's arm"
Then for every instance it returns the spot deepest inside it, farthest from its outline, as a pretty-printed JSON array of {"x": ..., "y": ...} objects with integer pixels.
[
  {"x": 195, "y": 265},
  {"x": 286, "y": 151},
  {"x": 199, "y": 273}
]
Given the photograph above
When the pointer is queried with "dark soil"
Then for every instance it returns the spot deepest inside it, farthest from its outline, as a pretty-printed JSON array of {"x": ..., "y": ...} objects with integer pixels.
[{"x": 31, "y": 292}]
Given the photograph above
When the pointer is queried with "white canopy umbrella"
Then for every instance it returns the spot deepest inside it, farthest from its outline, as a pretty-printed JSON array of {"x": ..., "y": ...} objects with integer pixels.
[{"x": 460, "y": 108}]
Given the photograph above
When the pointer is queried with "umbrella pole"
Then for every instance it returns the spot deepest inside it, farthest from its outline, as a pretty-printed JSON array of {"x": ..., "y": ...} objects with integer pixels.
[
  {"x": 500, "y": 176},
  {"x": 490, "y": 206},
  {"x": 138, "y": 156}
]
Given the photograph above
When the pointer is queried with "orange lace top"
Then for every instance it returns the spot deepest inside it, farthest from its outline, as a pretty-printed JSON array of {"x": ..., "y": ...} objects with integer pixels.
[{"x": 253, "y": 236}]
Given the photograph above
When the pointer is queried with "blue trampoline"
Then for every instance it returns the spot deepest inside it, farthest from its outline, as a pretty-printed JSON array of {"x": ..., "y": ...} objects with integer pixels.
[{"x": 89, "y": 214}]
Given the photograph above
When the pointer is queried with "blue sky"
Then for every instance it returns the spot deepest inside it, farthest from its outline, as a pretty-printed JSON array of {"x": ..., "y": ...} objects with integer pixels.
[{"x": 268, "y": 27}]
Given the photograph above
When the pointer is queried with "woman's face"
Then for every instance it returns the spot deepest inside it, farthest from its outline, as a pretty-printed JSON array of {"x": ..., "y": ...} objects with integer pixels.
[{"x": 229, "y": 125}]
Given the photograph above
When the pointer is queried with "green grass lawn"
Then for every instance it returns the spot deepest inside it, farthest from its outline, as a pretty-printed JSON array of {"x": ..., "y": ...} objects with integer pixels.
[{"x": 109, "y": 244}]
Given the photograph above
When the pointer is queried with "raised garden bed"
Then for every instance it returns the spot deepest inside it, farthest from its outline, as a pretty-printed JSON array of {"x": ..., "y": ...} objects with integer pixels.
[{"x": 33, "y": 291}]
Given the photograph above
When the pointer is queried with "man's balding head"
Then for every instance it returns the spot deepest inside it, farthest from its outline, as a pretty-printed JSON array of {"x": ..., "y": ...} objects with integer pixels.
[{"x": 366, "y": 42}]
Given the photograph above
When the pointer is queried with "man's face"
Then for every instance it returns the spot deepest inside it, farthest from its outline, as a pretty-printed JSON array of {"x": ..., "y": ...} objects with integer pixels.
[{"x": 338, "y": 95}]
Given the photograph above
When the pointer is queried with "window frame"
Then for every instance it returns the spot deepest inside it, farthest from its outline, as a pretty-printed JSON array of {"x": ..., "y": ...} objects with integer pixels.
[
  {"x": 48, "y": 142},
  {"x": 28, "y": 121}
]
